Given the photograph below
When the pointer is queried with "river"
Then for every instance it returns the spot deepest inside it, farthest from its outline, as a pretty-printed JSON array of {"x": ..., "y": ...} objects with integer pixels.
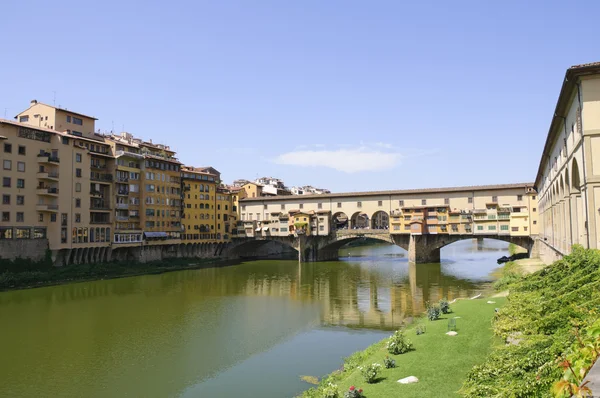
[{"x": 244, "y": 330}]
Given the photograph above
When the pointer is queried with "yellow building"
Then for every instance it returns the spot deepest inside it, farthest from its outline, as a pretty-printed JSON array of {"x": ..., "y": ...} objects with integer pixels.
[
  {"x": 252, "y": 190},
  {"x": 227, "y": 212},
  {"x": 160, "y": 188},
  {"x": 199, "y": 201}
]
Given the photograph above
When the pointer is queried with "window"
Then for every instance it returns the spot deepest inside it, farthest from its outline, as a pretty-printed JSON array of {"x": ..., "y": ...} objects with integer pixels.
[
  {"x": 6, "y": 182},
  {"x": 525, "y": 229},
  {"x": 533, "y": 197},
  {"x": 20, "y": 216},
  {"x": 20, "y": 183},
  {"x": 380, "y": 203},
  {"x": 494, "y": 199},
  {"x": 78, "y": 157},
  {"x": 77, "y": 121},
  {"x": 423, "y": 202},
  {"x": 301, "y": 205},
  {"x": 78, "y": 172},
  {"x": 321, "y": 228},
  {"x": 534, "y": 222},
  {"x": 41, "y": 217},
  {"x": 470, "y": 200},
  {"x": 77, "y": 202},
  {"x": 519, "y": 197},
  {"x": 480, "y": 227},
  {"x": 320, "y": 206},
  {"x": 53, "y": 217},
  {"x": 7, "y": 164},
  {"x": 7, "y": 148},
  {"x": 65, "y": 141},
  {"x": 265, "y": 207},
  {"x": 491, "y": 227},
  {"x": 23, "y": 119},
  {"x": 22, "y": 150},
  {"x": 401, "y": 203},
  {"x": 21, "y": 166},
  {"x": 534, "y": 209},
  {"x": 20, "y": 200},
  {"x": 5, "y": 216},
  {"x": 68, "y": 118},
  {"x": 77, "y": 217},
  {"x": 77, "y": 187},
  {"x": 339, "y": 205},
  {"x": 5, "y": 199},
  {"x": 514, "y": 229},
  {"x": 282, "y": 207},
  {"x": 503, "y": 227},
  {"x": 447, "y": 201},
  {"x": 358, "y": 204}
]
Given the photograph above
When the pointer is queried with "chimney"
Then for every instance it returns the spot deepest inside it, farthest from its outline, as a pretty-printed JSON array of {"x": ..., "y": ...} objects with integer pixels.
[{"x": 33, "y": 102}]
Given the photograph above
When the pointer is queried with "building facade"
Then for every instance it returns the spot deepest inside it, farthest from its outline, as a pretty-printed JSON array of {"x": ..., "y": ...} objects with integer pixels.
[{"x": 568, "y": 177}]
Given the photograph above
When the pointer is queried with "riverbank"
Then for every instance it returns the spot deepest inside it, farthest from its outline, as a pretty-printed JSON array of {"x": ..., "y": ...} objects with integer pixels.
[
  {"x": 440, "y": 362},
  {"x": 552, "y": 328},
  {"x": 34, "y": 275}
]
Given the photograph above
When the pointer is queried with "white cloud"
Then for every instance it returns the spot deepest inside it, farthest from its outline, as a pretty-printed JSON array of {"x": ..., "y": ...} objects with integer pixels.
[{"x": 347, "y": 159}]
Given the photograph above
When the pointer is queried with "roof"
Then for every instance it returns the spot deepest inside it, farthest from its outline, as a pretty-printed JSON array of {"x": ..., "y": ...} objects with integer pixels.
[
  {"x": 198, "y": 170},
  {"x": 389, "y": 193},
  {"x": 6, "y": 121},
  {"x": 55, "y": 107},
  {"x": 568, "y": 89}
]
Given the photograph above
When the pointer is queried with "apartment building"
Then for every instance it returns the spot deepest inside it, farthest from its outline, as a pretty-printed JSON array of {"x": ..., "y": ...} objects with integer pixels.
[{"x": 199, "y": 206}]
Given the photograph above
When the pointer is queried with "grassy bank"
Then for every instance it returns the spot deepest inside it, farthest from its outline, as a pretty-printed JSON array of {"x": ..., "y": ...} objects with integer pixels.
[
  {"x": 440, "y": 362},
  {"x": 551, "y": 322},
  {"x": 23, "y": 274}
]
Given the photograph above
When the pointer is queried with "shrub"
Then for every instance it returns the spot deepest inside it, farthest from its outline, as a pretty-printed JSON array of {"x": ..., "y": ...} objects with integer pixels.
[
  {"x": 370, "y": 372},
  {"x": 444, "y": 306},
  {"x": 420, "y": 329},
  {"x": 353, "y": 392},
  {"x": 331, "y": 391},
  {"x": 433, "y": 312},
  {"x": 398, "y": 343},
  {"x": 389, "y": 362}
]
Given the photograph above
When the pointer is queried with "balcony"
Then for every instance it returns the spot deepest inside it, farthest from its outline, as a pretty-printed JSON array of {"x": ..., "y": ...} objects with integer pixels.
[
  {"x": 47, "y": 208},
  {"x": 121, "y": 218},
  {"x": 134, "y": 216},
  {"x": 47, "y": 191},
  {"x": 101, "y": 177},
  {"x": 98, "y": 166},
  {"x": 122, "y": 206},
  {"x": 96, "y": 194},
  {"x": 122, "y": 192},
  {"x": 100, "y": 221},
  {"x": 99, "y": 207},
  {"x": 47, "y": 157},
  {"x": 122, "y": 179},
  {"x": 48, "y": 175}
]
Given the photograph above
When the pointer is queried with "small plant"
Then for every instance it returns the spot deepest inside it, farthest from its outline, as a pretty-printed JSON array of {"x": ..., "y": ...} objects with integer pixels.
[
  {"x": 398, "y": 343},
  {"x": 353, "y": 392},
  {"x": 331, "y": 391},
  {"x": 370, "y": 372},
  {"x": 433, "y": 312},
  {"x": 444, "y": 306},
  {"x": 420, "y": 329},
  {"x": 389, "y": 362}
]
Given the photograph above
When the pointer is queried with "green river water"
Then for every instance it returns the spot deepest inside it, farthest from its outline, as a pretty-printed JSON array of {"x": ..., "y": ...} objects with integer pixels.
[{"x": 247, "y": 330}]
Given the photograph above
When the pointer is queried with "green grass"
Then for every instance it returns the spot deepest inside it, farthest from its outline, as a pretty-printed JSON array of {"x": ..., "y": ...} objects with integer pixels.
[{"x": 440, "y": 362}]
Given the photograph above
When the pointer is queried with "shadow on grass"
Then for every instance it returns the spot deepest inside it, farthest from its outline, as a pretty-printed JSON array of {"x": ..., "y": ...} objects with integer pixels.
[{"x": 378, "y": 380}]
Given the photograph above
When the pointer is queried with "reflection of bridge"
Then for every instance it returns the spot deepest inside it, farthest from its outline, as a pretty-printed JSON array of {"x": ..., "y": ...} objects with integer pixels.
[{"x": 421, "y": 248}]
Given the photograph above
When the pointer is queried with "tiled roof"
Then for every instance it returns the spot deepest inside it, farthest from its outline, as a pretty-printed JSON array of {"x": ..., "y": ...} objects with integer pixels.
[{"x": 387, "y": 193}]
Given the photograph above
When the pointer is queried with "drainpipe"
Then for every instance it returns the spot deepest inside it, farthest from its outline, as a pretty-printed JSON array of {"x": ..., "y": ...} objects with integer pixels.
[{"x": 587, "y": 232}]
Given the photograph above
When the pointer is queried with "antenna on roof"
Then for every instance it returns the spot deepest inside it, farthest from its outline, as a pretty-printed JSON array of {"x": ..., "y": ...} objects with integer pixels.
[
  {"x": 54, "y": 99},
  {"x": 113, "y": 126}
]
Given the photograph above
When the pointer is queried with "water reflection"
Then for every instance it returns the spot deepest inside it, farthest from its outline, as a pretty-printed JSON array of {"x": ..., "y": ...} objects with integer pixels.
[{"x": 158, "y": 335}]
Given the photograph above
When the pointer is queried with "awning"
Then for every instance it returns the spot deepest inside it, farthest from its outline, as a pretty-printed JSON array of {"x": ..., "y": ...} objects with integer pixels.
[
  {"x": 257, "y": 229},
  {"x": 265, "y": 228},
  {"x": 155, "y": 234}
]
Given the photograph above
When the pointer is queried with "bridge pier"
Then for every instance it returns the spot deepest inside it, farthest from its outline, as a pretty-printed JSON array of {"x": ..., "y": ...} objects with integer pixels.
[{"x": 423, "y": 249}]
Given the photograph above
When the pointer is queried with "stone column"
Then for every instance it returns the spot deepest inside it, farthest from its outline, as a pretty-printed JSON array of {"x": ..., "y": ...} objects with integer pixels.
[{"x": 422, "y": 250}]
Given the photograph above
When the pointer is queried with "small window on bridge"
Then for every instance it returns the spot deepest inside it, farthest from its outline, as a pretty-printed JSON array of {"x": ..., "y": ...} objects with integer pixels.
[
  {"x": 447, "y": 201},
  {"x": 380, "y": 203},
  {"x": 519, "y": 197},
  {"x": 401, "y": 202},
  {"x": 494, "y": 199},
  {"x": 282, "y": 207},
  {"x": 423, "y": 202},
  {"x": 320, "y": 206},
  {"x": 301, "y": 205},
  {"x": 470, "y": 200},
  {"x": 339, "y": 205},
  {"x": 265, "y": 207},
  {"x": 358, "y": 204}
]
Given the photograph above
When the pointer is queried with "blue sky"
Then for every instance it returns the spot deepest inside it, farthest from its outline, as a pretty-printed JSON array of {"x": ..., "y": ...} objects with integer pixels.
[{"x": 346, "y": 95}]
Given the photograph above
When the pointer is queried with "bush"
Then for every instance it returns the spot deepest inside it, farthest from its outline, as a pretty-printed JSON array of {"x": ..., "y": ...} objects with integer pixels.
[
  {"x": 331, "y": 391},
  {"x": 398, "y": 343},
  {"x": 445, "y": 306},
  {"x": 433, "y": 312},
  {"x": 389, "y": 362},
  {"x": 353, "y": 392},
  {"x": 370, "y": 372},
  {"x": 420, "y": 329}
]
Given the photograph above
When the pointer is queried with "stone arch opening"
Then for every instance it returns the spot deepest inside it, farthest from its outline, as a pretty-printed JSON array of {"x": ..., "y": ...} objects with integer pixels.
[
  {"x": 561, "y": 187},
  {"x": 575, "y": 181},
  {"x": 567, "y": 181},
  {"x": 264, "y": 248},
  {"x": 380, "y": 220},
  {"x": 339, "y": 220},
  {"x": 359, "y": 220}
]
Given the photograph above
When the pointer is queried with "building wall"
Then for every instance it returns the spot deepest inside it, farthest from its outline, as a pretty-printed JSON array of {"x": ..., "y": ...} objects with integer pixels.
[
  {"x": 199, "y": 220},
  {"x": 569, "y": 175}
]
